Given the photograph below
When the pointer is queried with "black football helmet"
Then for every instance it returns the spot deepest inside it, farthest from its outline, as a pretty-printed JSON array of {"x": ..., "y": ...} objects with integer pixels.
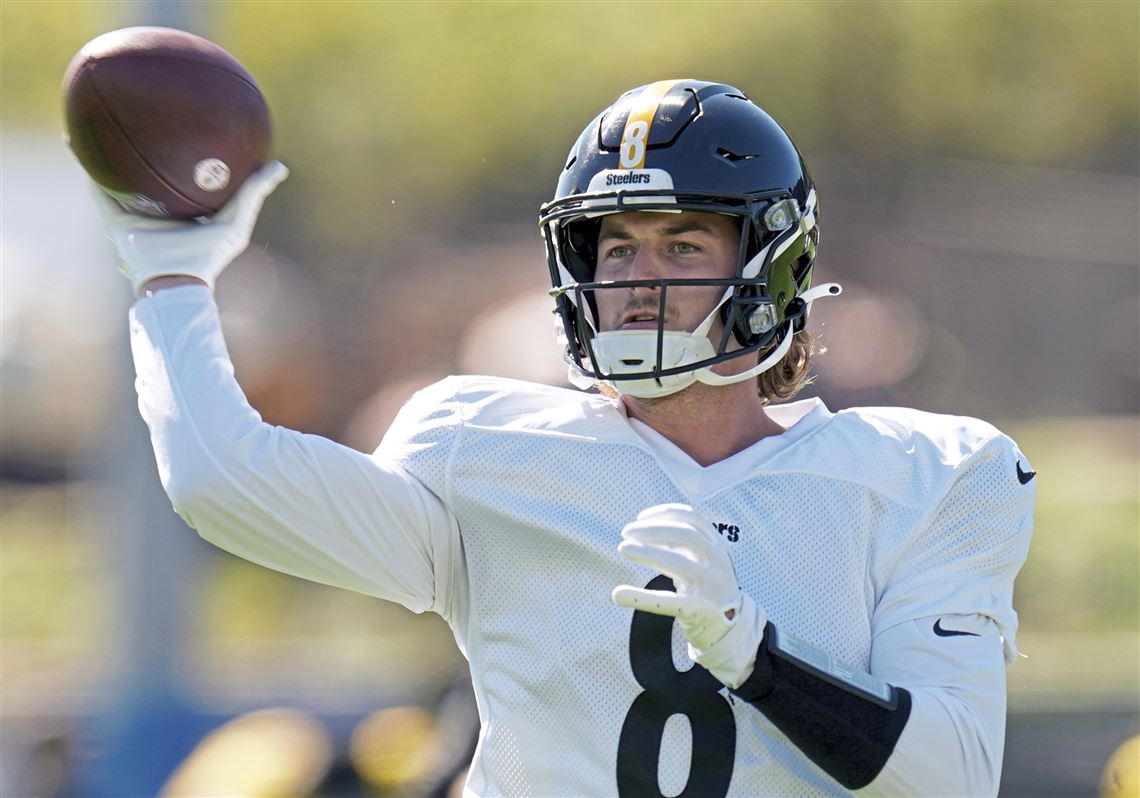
[{"x": 685, "y": 145}]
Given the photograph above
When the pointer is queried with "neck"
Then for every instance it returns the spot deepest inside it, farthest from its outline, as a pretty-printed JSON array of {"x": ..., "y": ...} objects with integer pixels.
[{"x": 708, "y": 423}]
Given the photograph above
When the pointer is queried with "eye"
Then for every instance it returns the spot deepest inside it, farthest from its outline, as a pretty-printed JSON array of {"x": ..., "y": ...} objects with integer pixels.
[
  {"x": 620, "y": 251},
  {"x": 685, "y": 248}
]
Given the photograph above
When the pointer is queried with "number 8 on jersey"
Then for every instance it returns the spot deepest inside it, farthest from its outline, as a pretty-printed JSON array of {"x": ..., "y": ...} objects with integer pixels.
[{"x": 694, "y": 693}]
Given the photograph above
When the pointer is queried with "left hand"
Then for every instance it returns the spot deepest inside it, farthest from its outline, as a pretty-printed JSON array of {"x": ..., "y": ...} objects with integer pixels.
[{"x": 722, "y": 624}]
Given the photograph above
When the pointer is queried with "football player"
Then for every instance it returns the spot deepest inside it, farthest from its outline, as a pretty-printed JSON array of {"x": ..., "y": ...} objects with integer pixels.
[{"x": 671, "y": 585}]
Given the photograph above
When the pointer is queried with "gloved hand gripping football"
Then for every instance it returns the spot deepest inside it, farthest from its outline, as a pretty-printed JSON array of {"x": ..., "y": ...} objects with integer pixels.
[
  {"x": 722, "y": 624},
  {"x": 150, "y": 247}
]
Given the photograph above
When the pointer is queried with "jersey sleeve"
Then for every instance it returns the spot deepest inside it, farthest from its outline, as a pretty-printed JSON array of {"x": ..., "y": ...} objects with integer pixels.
[
  {"x": 297, "y": 503},
  {"x": 963, "y": 556},
  {"x": 425, "y": 434},
  {"x": 954, "y": 739}
]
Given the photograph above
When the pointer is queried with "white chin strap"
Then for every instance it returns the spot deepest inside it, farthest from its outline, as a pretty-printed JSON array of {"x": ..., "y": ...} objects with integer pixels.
[{"x": 631, "y": 351}]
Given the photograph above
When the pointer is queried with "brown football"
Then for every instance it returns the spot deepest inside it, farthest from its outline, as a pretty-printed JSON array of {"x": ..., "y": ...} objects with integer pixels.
[{"x": 168, "y": 123}]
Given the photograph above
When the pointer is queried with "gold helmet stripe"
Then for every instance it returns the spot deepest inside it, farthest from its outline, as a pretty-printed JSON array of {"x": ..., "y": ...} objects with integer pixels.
[{"x": 635, "y": 137}]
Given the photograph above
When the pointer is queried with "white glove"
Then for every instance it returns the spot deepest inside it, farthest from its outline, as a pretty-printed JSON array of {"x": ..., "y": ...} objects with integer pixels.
[
  {"x": 721, "y": 623},
  {"x": 150, "y": 247}
]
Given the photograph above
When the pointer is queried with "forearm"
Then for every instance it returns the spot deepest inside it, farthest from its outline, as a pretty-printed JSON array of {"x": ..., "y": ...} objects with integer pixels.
[
  {"x": 943, "y": 751},
  {"x": 297, "y": 503},
  {"x": 954, "y": 742},
  {"x": 846, "y": 726},
  {"x": 941, "y": 734}
]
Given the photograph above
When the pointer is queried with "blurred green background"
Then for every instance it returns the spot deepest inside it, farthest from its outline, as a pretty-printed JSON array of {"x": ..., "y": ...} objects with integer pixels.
[{"x": 977, "y": 165}]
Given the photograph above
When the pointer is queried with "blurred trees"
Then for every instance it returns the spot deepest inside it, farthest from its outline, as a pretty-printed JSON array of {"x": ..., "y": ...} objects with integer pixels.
[{"x": 395, "y": 112}]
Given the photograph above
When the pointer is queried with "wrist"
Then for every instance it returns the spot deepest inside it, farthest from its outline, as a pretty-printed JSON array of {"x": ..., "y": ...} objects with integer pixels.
[
  {"x": 732, "y": 658},
  {"x": 156, "y": 284}
]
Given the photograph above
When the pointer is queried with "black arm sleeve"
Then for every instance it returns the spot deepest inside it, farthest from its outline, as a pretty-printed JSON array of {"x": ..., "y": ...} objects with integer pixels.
[{"x": 848, "y": 731}]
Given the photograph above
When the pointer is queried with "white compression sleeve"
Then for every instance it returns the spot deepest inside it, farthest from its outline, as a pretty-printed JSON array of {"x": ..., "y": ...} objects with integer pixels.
[
  {"x": 296, "y": 503},
  {"x": 954, "y": 740}
]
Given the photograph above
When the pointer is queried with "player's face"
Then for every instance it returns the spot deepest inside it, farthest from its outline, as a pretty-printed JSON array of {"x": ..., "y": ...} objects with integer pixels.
[{"x": 653, "y": 246}]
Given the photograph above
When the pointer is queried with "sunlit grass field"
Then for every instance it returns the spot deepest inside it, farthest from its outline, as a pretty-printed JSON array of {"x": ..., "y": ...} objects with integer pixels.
[{"x": 1078, "y": 595}]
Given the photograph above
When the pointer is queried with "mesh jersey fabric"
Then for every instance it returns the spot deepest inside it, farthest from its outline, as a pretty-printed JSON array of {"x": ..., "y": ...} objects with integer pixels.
[{"x": 871, "y": 518}]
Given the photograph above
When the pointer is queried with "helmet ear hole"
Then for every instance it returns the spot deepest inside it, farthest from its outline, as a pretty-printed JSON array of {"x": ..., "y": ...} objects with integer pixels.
[
  {"x": 582, "y": 243},
  {"x": 802, "y": 268},
  {"x": 754, "y": 230}
]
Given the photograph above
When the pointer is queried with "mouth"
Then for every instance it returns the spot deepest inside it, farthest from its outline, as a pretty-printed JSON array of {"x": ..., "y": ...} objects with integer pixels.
[{"x": 641, "y": 320}]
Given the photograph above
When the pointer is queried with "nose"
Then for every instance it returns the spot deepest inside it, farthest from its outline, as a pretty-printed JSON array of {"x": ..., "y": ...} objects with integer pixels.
[{"x": 646, "y": 265}]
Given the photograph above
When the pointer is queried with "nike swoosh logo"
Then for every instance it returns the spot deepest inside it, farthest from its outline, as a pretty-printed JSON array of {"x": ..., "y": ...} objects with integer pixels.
[
  {"x": 938, "y": 630},
  {"x": 1024, "y": 476}
]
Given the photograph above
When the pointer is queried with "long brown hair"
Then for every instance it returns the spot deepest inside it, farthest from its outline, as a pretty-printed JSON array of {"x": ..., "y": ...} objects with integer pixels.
[{"x": 786, "y": 378}]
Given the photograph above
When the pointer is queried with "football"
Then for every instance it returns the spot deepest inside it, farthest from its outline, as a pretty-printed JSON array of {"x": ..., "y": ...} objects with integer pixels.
[
  {"x": 166, "y": 122},
  {"x": 1121, "y": 775}
]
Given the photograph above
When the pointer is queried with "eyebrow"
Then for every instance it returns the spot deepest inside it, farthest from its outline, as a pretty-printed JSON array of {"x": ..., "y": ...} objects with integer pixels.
[{"x": 686, "y": 226}]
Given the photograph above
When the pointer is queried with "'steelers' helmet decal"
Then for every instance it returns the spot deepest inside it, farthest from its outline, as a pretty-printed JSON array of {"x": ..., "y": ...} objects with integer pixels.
[{"x": 685, "y": 145}]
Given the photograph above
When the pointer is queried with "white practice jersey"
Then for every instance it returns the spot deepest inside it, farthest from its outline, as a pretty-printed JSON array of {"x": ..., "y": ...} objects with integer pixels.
[
  {"x": 849, "y": 524},
  {"x": 499, "y": 504}
]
